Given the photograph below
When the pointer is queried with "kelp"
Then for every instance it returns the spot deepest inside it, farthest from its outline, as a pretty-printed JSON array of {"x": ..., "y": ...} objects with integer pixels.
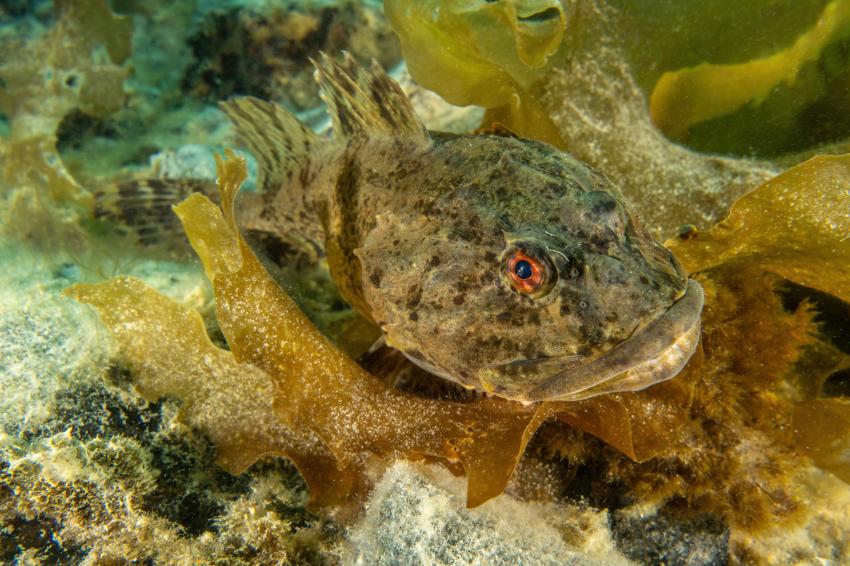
[
  {"x": 796, "y": 225},
  {"x": 642, "y": 424},
  {"x": 735, "y": 456},
  {"x": 492, "y": 52},
  {"x": 693, "y": 95},
  {"x": 719, "y": 435},
  {"x": 317, "y": 389},
  {"x": 166, "y": 347},
  {"x": 822, "y": 428},
  {"x": 77, "y": 64}
]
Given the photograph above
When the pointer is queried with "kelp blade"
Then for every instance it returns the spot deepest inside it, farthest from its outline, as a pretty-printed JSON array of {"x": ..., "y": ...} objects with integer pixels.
[{"x": 796, "y": 225}]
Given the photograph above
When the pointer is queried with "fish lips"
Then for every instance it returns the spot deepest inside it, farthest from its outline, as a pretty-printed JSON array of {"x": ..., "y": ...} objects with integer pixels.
[{"x": 658, "y": 352}]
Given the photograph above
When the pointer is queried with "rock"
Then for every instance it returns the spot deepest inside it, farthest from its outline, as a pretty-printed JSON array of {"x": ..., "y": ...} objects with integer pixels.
[
  {"x": 670, "y": 538},
  {"x": 416, "y": 515}
]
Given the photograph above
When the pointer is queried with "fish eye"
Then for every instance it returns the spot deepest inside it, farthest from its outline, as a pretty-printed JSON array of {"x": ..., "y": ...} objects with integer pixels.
[
  {"x": 529, "y": 270},
  {"x": 523, "y": 269}
]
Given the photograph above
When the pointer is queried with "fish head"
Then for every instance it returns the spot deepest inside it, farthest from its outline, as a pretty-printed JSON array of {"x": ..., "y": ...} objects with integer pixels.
[{"x": 530, "y": 280}]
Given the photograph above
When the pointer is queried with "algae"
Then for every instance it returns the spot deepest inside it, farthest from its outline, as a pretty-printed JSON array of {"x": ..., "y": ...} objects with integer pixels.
[
  {"x": 273, "y": 44},
  {"x": 91, "y": 473},
  {"x": 486, "y": 53},
  {"x": 90, "y": 502},
  {"x": 792, "y": 54},
  {"x": 732, "y": 455},
  {"x": 689, "y": 96},
  {"x": 822, "y": 428},
  {"x": 796, "y": 225},
  {"x": 315, "y": 386},
  {"x": 77, "y": 64},
  {"x": 731, "y": 436}
]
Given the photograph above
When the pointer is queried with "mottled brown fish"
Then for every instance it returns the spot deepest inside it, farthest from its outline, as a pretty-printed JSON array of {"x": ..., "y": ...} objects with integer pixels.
[{"x": 498, "y": 263}]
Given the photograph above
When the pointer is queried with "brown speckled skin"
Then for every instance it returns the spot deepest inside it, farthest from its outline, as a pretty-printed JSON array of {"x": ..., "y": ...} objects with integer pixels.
[{"x": 416, "y": 238}]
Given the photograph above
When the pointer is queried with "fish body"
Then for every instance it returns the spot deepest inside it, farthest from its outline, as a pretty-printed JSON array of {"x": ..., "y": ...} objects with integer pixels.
[{"x": 499, "y": 263}]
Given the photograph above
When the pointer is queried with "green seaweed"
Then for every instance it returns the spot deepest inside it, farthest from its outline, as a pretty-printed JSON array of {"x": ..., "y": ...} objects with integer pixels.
[
  {"x": 683, "y": 98},
  {"x": 76, "y": 64},
  {"x": 491, "y": 53}
]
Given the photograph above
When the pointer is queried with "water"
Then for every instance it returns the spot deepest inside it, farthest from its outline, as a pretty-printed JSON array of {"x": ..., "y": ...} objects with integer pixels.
[{"x": 130, "y": 431}]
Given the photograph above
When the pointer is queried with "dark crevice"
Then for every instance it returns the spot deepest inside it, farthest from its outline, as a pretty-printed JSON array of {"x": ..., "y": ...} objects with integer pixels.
[
  {"x": 675, "y": 535},
  {"x": 833, "y": 314},
  {"x": 77, "y": 129},
  {"x": 544, "y": 16},
  {"x": 837, "y": 384},
  {"x": 19, "y": 535}
]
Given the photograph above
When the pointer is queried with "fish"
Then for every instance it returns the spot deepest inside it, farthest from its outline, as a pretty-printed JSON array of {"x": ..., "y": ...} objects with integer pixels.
[{"x": 495, "y": 262}]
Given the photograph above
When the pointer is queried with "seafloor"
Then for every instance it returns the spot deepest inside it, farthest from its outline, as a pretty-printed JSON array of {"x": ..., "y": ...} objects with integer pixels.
[{"x": 97, "y": 95}]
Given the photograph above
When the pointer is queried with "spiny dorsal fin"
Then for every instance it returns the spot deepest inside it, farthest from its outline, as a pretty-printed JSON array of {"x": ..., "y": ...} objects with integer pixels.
[
  {"x": 365, "y": 103},
  {"x": 277, "y": 139}
]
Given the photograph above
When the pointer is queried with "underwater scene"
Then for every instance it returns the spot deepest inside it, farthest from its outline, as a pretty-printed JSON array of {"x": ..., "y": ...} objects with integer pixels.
[{"x": 434, "y": 282}]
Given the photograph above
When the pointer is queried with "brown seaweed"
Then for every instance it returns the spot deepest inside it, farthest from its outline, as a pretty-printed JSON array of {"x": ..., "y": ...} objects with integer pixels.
[
  {"x": 315, "y": 387},
  {"x": 581, "y": 95},
  {"x": 796, "y": 225},
  {"x": 285, "y": 389},
  {"x": 822, "y": 431}
]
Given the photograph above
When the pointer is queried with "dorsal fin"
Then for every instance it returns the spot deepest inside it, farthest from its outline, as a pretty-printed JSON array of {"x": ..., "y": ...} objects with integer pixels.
[
  {"x": 366, "y": 103},
  {"x": 277, "y": 139}
]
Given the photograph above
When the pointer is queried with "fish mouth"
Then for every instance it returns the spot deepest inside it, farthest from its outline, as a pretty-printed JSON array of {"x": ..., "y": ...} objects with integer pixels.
[{"x": 656, "y": 353}]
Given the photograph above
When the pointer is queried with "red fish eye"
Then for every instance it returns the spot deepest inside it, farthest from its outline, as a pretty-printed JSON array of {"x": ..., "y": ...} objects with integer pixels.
[{"x": 526, "y": 273}]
